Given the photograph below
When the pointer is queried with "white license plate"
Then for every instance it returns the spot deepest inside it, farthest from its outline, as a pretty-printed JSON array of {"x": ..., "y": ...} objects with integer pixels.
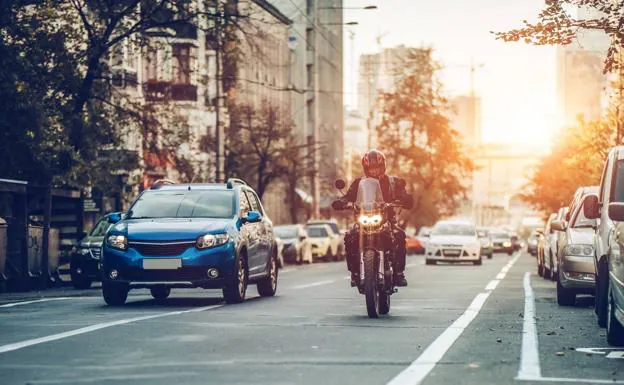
[{"x": 162, "y": 264}]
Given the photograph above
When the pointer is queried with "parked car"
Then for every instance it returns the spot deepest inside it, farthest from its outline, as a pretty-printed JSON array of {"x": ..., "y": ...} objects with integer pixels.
[
  {"x": 577, "y": 200},
  {"x": 413, "y": 245},
  {"x": 453, "y": 241},
  {"x": 211, "y": 236},
  {"x": 608, "y": 209},
  {"x": 487, "y": 247},
  {"x": 544, "y": 249},
  {"x": 501, "y": 241},
  {"x": 296, "y": 246},
  {"x": 577, "y": 272},
  {"x": 321, "y": 238},
  {"x": 532, "y": 243},
  {"x": 552, "y": 239},
  {"x": 423, "y": 235},
  {"x": 337, "y": 238},
  {"x": 84, "y": 266}
]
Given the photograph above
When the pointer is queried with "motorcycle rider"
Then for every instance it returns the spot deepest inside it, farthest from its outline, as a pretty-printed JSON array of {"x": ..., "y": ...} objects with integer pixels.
[{"x": 393, "y": 190}]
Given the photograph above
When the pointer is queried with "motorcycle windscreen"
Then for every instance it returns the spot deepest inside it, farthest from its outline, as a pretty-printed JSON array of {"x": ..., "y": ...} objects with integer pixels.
[{"x": 369, "y": 196}]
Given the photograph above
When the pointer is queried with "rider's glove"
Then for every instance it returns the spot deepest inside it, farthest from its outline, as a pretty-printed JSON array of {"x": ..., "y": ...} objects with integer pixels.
[{"x": 339, "y": 204}]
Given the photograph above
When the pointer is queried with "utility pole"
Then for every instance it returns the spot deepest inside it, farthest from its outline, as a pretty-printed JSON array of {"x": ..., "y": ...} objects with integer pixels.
[
  {"x": 317, "y": 114},
  {"x": 219, "y": 135},
  {"x": 371, "y": 83}
]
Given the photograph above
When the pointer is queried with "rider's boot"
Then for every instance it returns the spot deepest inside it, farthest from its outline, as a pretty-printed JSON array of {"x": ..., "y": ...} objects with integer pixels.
[
  {"x": 355, "y": 279},
  {"x": 399, "y": 279}
]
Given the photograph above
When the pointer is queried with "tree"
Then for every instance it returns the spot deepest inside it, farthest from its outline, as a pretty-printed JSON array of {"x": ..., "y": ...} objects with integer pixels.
[
  {"x": 575, "y": 161},
  {"x": 556, "y": 26},
  {"x": 420, "y": 145}
]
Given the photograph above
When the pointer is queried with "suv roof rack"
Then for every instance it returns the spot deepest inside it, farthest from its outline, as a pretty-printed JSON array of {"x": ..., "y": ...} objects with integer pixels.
[
  {"x": 232, "y": 181},
  {"x": 161, "y": 182}
]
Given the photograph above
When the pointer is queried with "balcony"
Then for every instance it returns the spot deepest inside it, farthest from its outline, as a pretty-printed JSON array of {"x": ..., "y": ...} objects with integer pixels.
[{"x": 160, "y": 91}]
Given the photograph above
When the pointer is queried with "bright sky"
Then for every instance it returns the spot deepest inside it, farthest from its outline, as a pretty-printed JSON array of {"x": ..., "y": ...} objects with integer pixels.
[{"x": 517, "y": 81}]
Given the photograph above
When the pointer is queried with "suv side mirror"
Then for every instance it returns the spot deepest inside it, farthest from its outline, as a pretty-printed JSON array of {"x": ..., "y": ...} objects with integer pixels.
[
  {"x": 253, "y": 217},
  {"x": 590, "y": 207},
  {"x": 558, "y": 225},
  {"x": 616, "y": 212},
  {"x": 114, "y": 218}
]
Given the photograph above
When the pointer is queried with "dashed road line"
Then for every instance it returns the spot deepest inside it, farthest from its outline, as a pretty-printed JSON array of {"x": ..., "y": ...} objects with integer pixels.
[
  {"x": 92, "y": 328},
  {"x": 320, "y": 283},
  {"x": 425, "y": 363},
  {"x": 492, "y": 285},
  {"x": 35, "y": 301}
]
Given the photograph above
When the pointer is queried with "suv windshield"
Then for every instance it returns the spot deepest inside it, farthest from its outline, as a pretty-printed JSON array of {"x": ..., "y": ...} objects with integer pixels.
[
  {"x": 184, "y": 204},
  {"x": 332, "y": 225},
  {"x": 317, "y": 232},
  {"x": 286, "y": 231},
  {"x": 100, "y": 228},
  {"x": 453, "y": 229},
  {"x": 499, "y": 234}
]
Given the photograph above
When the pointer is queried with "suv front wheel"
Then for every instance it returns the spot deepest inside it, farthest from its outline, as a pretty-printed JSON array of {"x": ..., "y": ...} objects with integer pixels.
[
  {"x": 115, "y": 294},
  {"x": 268, "y": 286},
  {"x": 602, "y": 293},
  {"x": 234, "y": 291},
  {"x": 615, "y": 330}
]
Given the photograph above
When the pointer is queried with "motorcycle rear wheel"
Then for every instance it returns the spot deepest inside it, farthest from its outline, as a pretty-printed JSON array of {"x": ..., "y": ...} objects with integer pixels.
[{"x": 371, "y": 286}]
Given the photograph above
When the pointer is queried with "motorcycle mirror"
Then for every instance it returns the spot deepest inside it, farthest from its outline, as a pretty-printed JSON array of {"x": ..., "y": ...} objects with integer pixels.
[{"x": 340, "y": 184}]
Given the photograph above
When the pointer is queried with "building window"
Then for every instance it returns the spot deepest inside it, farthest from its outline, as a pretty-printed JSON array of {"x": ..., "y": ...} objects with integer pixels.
[
  {"x": 151, "y": 59},
  {"x": 184, "y": 57}
]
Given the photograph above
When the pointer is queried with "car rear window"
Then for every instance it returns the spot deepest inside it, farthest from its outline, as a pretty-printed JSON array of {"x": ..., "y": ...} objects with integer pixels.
[
  {"x": 317, "y": 232},
  {"x": 453, "y": 229},
  {"x": 184, "y": 204}
]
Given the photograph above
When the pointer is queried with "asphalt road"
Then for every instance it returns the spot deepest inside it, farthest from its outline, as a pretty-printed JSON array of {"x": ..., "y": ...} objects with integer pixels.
[{"x": 454, "y": 324}]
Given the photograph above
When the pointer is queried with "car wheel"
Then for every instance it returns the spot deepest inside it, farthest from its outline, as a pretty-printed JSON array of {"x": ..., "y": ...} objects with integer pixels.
[
  {"x": 268, "y": 286},
  {"x": 78, "y": 278},
  {"x": 328, "y": 255},
  {"x": 602, "y": 294},
  {"x": 615, "y": 330},
  {"x": 160, "y": 292},
  {"x": 115, "y": 294},
  {"x": 565, "y": 297},
  {"x": 546, "y": 273},
  {"x": 234, "y": 291},
  {"x": 429, "y": 262},
  {"x": 478, "y": 262}
]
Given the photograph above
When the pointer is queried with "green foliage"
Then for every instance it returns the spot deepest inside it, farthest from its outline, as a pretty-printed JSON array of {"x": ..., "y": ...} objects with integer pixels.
[{"x": 419, "y": 144}]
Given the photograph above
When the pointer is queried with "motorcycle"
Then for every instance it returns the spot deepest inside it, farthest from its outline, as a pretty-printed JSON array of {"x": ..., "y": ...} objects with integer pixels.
[{"x": 376, "y": 245}]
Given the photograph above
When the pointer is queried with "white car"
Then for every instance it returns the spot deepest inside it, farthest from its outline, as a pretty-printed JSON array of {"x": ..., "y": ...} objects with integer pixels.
[
  {"x": 337, "y": 239},
  {"x": 321, "y": 240},
  {"x": 453, "y": 241}
]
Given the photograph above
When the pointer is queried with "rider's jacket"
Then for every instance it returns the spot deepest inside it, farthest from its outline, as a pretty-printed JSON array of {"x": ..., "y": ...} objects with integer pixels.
[{"x": 392, "y": 189}]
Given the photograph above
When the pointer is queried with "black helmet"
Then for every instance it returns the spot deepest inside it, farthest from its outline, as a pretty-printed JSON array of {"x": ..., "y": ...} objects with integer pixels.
[{"x": 374, "y": 164}]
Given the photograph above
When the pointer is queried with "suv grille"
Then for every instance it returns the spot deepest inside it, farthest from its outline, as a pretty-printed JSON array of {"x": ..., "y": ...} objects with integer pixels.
[
  {"x": 161, "y": 248},
  {"x": 96, "y": 252}
]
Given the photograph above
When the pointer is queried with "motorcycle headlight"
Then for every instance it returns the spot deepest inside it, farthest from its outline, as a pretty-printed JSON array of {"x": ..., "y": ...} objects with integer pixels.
[
  {"x": 83, "y": 251},
  {"x": 211, "y": 240},
  {"x": 119, "y": 242},
  {"x": 370, "y": 220},
  {"x": 580, "y": 250}
]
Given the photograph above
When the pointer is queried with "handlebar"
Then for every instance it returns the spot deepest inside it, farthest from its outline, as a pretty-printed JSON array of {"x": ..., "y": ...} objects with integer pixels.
[{"x": 351, "y": 206}]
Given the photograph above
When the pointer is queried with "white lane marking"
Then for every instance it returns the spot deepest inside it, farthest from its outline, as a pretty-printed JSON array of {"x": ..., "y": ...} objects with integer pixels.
[
  {"x": 312, "y": 285},
  {"x": 529, "y": 360},
  {"x": 492, "y": 285},
  {"x": 35, "y": 301},
  {"x": 424, "y": 364},
  {"x": 92, "y": 328},
  {"x": 501, "y": 276}
]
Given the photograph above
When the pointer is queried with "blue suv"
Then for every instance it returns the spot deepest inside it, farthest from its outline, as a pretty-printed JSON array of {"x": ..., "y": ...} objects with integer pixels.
[{"x": 212, "y": 236}]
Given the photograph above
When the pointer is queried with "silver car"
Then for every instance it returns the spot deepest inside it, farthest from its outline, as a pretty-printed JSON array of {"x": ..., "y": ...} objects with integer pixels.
[
  {"x": 295, "y": 243},
  {"x": 577, "y": 271}
]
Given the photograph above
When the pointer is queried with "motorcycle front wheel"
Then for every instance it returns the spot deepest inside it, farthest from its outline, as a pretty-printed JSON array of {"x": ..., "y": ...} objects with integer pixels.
[{"x": 371, "y": 284}]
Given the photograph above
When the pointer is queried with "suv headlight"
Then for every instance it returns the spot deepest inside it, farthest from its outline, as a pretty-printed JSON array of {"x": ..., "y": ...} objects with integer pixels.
[
  {"x": 211, "y": 240},
  {"x": 507, "y": 244},
  {"x": 580, "y": 250},
  {"x": 119, "y": 242}
]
